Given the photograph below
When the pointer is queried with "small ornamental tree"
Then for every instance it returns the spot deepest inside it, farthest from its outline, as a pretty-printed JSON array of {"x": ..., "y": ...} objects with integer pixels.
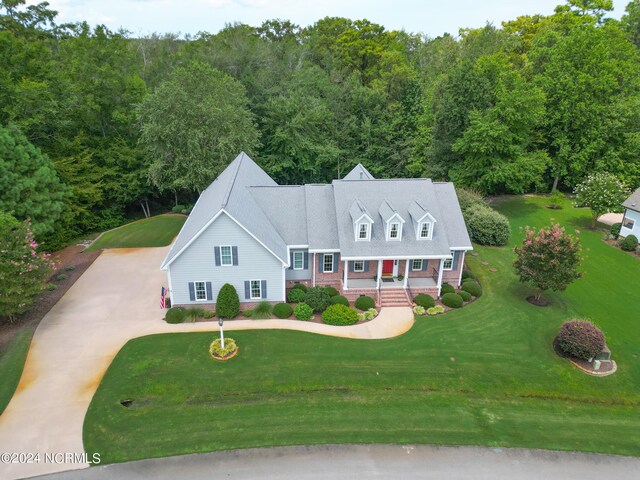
[
  {"x": 580, "y": 339},
  {"x": 548, "y": 259},
  {"x": 23, "y": 269},
  {"x": 601, "y": 192},
  {"x": 228, "y": 302}
]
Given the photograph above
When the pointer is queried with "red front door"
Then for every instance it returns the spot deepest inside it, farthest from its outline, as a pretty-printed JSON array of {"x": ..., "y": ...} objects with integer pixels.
[{"x": 387, "y": 267}]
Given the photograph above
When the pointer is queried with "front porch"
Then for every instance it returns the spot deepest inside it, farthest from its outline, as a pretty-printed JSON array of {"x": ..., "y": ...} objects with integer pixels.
[{"x": 390, "y": 282}]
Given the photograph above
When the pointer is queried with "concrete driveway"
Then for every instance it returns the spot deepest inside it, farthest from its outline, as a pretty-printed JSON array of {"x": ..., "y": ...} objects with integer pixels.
[{"x": 116, "y": 299}]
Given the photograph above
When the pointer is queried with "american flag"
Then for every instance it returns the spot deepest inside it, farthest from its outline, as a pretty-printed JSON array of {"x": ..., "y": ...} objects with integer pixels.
[{"x": 162, "y": 294}]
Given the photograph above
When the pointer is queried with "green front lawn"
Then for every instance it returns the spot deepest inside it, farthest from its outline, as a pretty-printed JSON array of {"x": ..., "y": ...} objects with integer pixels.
[
  {"x": 12, "y": 364},
  {"x": 484, "y": 375},
  {"x": 156, "y": 231}
]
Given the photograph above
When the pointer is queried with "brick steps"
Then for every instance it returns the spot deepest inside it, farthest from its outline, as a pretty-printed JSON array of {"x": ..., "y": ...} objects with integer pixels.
[{"x": 393, "y": 297}]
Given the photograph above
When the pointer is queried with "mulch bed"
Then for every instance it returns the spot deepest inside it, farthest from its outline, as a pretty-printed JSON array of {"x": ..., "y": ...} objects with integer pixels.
[
  {"x": 72, "y": 255},
  {"x": 606, "y": 368},
  {"x": 538, "y": 303},
  {"x": 228, "y": 356},
  {"x": 614, "y": 244}
]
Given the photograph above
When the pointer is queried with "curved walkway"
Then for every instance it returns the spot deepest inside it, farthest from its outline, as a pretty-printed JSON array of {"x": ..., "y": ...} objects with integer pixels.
[
  {"x": 350, "y": 462},
  {"x": 116, "y": 299}
]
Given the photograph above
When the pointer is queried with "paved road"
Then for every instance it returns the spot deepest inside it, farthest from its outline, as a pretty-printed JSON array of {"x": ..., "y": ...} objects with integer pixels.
[
  {"x": 115, "y": 300},
  {"x": 351, "y": 462}
]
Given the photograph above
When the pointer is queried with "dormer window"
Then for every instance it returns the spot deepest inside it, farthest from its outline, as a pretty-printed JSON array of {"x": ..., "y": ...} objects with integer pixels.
[
  {"x": 425, "y": 230},
  {"x": 395, "y": 231},
  {"x": 364, "y": 231}
]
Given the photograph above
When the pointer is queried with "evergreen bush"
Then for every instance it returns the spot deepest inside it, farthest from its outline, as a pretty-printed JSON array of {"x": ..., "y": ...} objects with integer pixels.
[{"x": 228, "y": 302}]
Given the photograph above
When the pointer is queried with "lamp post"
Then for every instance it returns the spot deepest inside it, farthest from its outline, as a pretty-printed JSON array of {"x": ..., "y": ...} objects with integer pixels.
[{"x": 220, "y": 322}]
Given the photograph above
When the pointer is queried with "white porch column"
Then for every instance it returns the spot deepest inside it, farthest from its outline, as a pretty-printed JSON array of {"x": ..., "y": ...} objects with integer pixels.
[
  {"x": 440, "y": 276},
  {"x": 313, "y": 275},
  {"x": 461, "y": 263},
  {"x": 346, "y": 269},
  {"x": 406, "y": 272},
  {"x": 379, "y": 274}
]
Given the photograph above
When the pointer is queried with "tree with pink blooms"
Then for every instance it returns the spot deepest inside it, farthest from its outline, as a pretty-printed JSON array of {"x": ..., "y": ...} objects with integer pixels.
[
  {"x": 548, "y": 259},
  {"x": 23, "y": 268}
]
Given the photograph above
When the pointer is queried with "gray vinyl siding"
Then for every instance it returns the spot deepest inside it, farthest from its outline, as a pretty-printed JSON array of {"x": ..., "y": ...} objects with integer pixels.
[
  {"x": 304, "y": 274},
  {"x": 197, "y": 263}
]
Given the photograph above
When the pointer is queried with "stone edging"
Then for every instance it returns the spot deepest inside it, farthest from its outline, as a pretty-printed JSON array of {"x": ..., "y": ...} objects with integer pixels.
[
  {"x": 595, "y": 373},
  {"x": 228, "y": 357}
]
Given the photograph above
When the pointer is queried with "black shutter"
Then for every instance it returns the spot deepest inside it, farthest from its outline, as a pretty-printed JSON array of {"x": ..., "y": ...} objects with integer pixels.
[
  {"x": 352, "y": 266},
  {"x": 290, "y": 260},
  {"x": 321, "y": 263},
  {"x": 263, "y": 288},
  {"x": 234, "y": 255},
  {"x": 306, "y": 260},
  {"x": 366, "y": 265},
  {"x": 216, "y": 252},
  {"x": 425, "y": 264},
  {"x": 456, "y": 255},
  {"x": 209, "y": 292},
  {"x": 247, "y": 290},
  {"x": 335, "y": 262},
  {"x": 192, "y": 292}
]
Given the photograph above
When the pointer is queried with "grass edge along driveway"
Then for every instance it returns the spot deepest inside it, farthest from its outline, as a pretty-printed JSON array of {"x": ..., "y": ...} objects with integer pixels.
[
  {"x": 484, "y": 375},
  {"x": 157, "y": 231}
]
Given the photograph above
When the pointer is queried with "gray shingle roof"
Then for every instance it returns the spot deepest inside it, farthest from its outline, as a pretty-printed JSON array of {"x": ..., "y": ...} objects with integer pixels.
[
  {"x": 358, "y": 173},
  {"x": 322, "y": 227},
  {"x": 285, "y": 208},
  {"x": 357, "y": 210},
  {"x": 633, "y": 202},
  {"x": 387, "y": 211}
]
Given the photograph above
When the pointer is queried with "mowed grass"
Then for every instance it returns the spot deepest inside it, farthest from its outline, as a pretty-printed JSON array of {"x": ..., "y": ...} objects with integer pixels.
[
  {"x": 12, "y": 363},
  {"x": 156, "y": 231},
  {"x": 483, "y": 375}
]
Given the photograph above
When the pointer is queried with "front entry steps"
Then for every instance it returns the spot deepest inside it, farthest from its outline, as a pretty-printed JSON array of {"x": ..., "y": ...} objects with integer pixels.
[{"x": 393, "y": 297}]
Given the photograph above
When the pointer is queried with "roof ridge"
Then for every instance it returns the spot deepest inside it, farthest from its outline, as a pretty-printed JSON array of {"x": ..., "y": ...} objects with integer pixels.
[{"x": 227, "y": 194}]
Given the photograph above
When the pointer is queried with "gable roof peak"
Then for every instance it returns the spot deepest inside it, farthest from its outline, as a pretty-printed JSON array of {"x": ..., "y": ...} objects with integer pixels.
[{"x": 359, "y": 172}]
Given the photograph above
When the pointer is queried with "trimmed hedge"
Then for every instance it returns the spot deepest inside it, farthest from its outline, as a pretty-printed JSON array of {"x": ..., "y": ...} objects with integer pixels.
[
  {"x": 629, "y": 244},
  {"x": 452, "y": 300},
  {"x": 424, "y": 300},
  {"x": 228, "y": 302},
  {"x": 332, "y": 291},
  {"x": 468, "y": 274},
  {"x": 303, "y": 311},
  {"x": 472, "y": 287},
  {"x": 580, "y": 339},
  {"x": 282, "y": 310},
  {"x": 175, "y": 315},
  {"x": 301, "y": 286},
  {"x": 487, "y": 227},
  {"x": 365, "y": 303},
  {"x": 339, "y": 315},
  {"x": 339, "y": 300},
  {"x": 466, "y": 296},
  {"x": 615, "y": 229},
  {"x": 446, "y": 288},
  {"x": 296, "y": 295},
  {"x": 318, "y": 298}
]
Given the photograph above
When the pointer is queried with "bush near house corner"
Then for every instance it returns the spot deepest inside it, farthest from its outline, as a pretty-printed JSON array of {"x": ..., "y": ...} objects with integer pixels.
[
  {"x": 282, "y": 310},
  {"x": 452, "y": 300},
  {"x": 424, "y": 300},
  {"x": 175, "y": 315},
  {"x": 296, "y": 295},
  {"x": 303, "y": 311},
  {"x": 472, "y": 287},
  {"x": 466, "y": 296},
  {"x": 580, "y": 339},
  {"x": 629, "y": 243},
  {"x": 365, "y": 303},
  {"x": 332, "y": 291},
  {"x": 228, "y": 302},
  {"x": 301, "y": 286},
  {"x": 318, "y": 298},
  {"x": 446, "y": 288},
  {"x": 487, "y": 227},
  {"x": 339, "y": 315}
]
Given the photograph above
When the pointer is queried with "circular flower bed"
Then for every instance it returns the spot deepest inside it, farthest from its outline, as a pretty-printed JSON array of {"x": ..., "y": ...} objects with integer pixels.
[
  {"x": 580, "y": 339},
  {"x": 229, "y": 351}
]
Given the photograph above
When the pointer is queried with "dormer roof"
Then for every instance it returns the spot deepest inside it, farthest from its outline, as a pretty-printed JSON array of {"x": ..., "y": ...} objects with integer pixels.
[
  {"x": 358, "y": 211},
  {"x": 387, "y": 212},
  {"x": 419, "y": 212}
]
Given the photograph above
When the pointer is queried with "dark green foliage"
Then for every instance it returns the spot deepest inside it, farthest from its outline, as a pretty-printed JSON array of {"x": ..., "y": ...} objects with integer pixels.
[
  {"x": 52, "y": 286},
  {"x": 178, "y": 209},
  {"x": 228, "y": 302},
  {"x": 580, "y": 339},
  {"x": 472, "y": 287},
  {"x": 209, "y": 314},
  {"x": 629, "y": 243},
  {"x": 262, "y": 310},
  {"x": 615, "y": 229},
  {"x": 301, "y": 286},
  {"x": 296, "y": 295},
  {"x": 467, "y": 198},
  {"x": 487, "y": 227},
  {"x": 365, "y": 302},
  {"x": 468, "y": 274},
  {"x": 318, "y": 298},
  {"x": 61, "y": 276},
  {"x": 69, "y": 268},
  {"x": 424, "y": 300},
  {"x": 466, "y": 296},
  {"x": 282, "y": 310},
  {"x": 339, "y": 299},
  {"x": 332, "y": 291},
  {"x": 303, "y": 311},
  {"x": 452, "y": 300},
  {"x": 247, "y": 313},
  {"x": 175, "y": 315},
  {"x": 446, "y": 288},
  {"x": 338, "y": 314},
  {"x": 194, "y": 313}
]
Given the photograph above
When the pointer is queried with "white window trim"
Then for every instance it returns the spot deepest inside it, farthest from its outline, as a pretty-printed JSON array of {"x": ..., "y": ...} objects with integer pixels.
[
  {"x": 399, "y": 237},
  {"x": 195, "y": 291},
  {"x": 222, "y": 264},
  {"x": 324, "y": 263},
  {"x": 301, "y": 260},
  {"x": 627, "y": 219},
  {"x": 413, "y": 264},
  {"x": 356, "y": 270},
  {"x": 368, "y": 237},
  {"x": 428, "y": 237},
  {"x": 444, "y": 262},
  {"x": 251, "y": 289}
]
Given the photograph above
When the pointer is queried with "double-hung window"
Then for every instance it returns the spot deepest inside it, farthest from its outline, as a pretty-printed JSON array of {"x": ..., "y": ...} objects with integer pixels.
[
  {"x": 425, "y": 229},
  {"x": 394, "y": 231},
  {"x": 327, "y": 263},
  {"x": 363, "y": 231},
  {"x": 416, "y": 264},
  {"x": 256, "y": 289},
  {"x": 298, "y": 260},
  {"x": 358, "y": 266},
  {"x": 226, "y": 257},
  {"x": 200, "y": 291},
  {"x": 447, "y": 264}
]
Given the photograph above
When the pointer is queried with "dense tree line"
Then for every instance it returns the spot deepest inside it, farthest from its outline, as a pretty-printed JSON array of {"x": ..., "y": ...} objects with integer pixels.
[{"x": 113, "y": 126}]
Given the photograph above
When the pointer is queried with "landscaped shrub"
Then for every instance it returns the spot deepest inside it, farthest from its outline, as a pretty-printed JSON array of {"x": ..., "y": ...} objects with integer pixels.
[
  {"x": 69, "y": 268},
  {"x": 424, "y": 300},
  {"x": 630, "y": 243},
  {"x": 446, "y": 288},
  {"x": 365, "y": 303},
  {"x": 248, "y": 313},
  {"x": 452, "y": 300},
  {"x": 209, "y": 314},
  {"x": 468, "y": 198},
  {"x": 418, "y": 310},
  {"x": 339, "y": 299},
  {"x": 332, "y": 291},
  {"x": 193, "y": 313},
  {"x": 228, "y": 302},
  {"x": 580, "y": 339},
  {"x": 187, "y": 210},
  {"x": 472, "y": 287},
  {"x": 318, "y": 298},
  {"x": 615, "y": 229},
  {"x": 361, "y": 317},
  {"x": 466, "y": 296},
  {"x": 370, "y": 314},
  {"x": 296, "y": 295},
  {"x": 175, "y": 315},
  {"x": 435, "y": 310},
  {"x": 339, "y": 315},
  {"x": 52, "y": 286},
  {"x": 301, "y": 286},
  {"x": 262, "y": 310},
  {"x": 487, "y": 227},
  {"x": 282, "y": 310},
  {"x": 303, "y": 311},
  {"x": 216, "y": 350},
  {"x": 62, "y": 276},
  {"x": 468, "y": 274},
  {"x": 555, "y": 199},
  {"x": 178, "y": 208}
]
